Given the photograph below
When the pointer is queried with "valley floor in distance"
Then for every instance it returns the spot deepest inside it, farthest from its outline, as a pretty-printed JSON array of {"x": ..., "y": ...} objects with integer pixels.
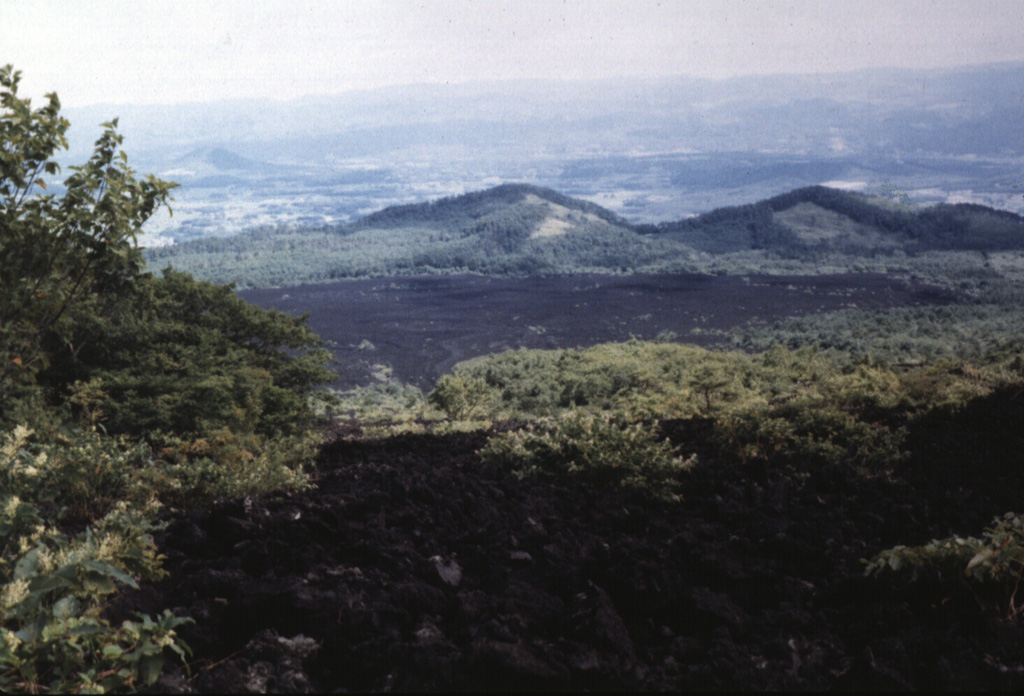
[{"x": 421, "y": 326}]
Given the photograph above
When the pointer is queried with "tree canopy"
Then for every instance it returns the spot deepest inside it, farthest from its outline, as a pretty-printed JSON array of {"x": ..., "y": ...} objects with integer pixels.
[
  {"x": 77, "y": 305},
  {"x": 119, "y": 391},
  {"x": 59, "y": 253}
]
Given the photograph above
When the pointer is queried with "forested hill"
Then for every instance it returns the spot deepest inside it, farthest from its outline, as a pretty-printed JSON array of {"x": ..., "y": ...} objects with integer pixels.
[
  {"x": 818, "y": 218},
  {"x": 511, "y": 229},
  {"x": 460, "y": 211},
  {"x": 516, "y": 229}
]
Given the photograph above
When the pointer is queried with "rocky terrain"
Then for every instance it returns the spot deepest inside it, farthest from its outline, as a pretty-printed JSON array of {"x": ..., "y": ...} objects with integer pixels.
[
  {"x": 413, "y": 566},
  {"x": 422, "y": 326}
]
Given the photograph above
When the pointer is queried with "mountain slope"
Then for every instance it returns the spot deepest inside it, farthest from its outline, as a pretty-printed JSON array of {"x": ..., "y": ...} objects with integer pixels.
[
  {"x": 516, "y": 229},
  {"x": 507, "y": 230},
  {"x": 821, "y": 219},
  {"x": 460, "y": 210}
]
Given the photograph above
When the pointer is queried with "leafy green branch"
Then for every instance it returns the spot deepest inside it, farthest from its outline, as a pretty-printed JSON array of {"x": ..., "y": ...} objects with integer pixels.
[{"x": 992, "y": 565}]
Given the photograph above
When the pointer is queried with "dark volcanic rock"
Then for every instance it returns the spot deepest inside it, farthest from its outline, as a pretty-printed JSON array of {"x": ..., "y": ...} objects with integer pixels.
[
  {"x": 413, "y": 566},
  {"x": 422, "y": 325}
]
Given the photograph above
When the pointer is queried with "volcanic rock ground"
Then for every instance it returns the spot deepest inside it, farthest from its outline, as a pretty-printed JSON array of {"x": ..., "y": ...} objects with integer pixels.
[
  {"x": 413, "y": 566},
  {"x": 421, "y": 326}
]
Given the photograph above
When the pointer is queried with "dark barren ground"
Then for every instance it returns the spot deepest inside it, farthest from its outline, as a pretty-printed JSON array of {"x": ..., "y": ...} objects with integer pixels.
[
  {"x": 422, "y": 326},
  {"x": 413, "y": 566}
]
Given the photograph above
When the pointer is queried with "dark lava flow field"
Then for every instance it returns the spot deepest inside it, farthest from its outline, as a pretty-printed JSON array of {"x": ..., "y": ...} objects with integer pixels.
[
  {"x": 421, "y": 326},
  {"x": 414, "y": 566}
]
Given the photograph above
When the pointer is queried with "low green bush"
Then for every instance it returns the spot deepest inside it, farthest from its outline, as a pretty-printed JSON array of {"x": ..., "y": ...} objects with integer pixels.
[
  {"x": 184, "y": 356},
  {"x": 802, "y": 434},
  {"x": 224, "y": 464},
  {"x": 461, "y": 397},
  {"x": 602, "y": 448},
  {"x": 53, "y": 585},
  {"x": 993, "y": 565},
  {"x": 385, "y": 400}
]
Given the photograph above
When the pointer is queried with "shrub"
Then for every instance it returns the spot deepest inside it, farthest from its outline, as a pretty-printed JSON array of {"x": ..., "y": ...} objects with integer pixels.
[
  {"x": 386, "y": 399},
  {"x": 807, "y": 432},
  {"x": 993, "y": 564},
  {"x": 186, "y": 356},
  {"x": 460, "y": 397},
  {"x": 60, "y": 255},
  {"x": 94, "y": 351},
  {"x": 224, "y": 464},
  {"x": 603, "y": 448},
  {"x": 52, "y": 586}
]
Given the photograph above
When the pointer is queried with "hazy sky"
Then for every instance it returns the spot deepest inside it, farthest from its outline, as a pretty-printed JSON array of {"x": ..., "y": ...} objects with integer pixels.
[{"x": 101, "y": 51}]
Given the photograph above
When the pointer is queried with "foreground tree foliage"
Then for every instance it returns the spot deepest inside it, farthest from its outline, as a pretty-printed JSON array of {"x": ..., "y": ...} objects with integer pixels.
[
  {"x": 60, "y": 254},
  {"x": 119, "y": 392},
  {"x": 185, "y": 356}
]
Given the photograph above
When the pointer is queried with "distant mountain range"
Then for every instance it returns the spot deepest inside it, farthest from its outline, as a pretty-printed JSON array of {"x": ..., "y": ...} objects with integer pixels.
[
  {"x": 518, "y": 229},
  {"x": 970, "y": 111},
  {"x": 648, "y": 149}
]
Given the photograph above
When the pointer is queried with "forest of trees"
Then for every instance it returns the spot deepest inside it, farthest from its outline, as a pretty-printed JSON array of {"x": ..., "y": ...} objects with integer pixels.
[
  {"x": 946, "y": 227},
  {"x": 493, "y": 232},
  {"x": 490, "y": 232}
]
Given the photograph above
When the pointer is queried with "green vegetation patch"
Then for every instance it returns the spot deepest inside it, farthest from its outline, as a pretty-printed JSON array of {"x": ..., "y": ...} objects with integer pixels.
[
  {"x": 605, "y": 449},
  {"x": 512, "y": 230},
  {"x": 670, "y": 380},
  {"x": 140, "y": 392},
  {"x": 53, "y": 585},
  {"x": 798, "y": 411},
  {"x": 991, "y": 565}
]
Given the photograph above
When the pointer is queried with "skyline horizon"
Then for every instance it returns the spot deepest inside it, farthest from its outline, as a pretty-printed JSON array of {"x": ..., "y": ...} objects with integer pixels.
[
  {"x": 966, "y": 67},
  {"x": 160, "y": 52}
]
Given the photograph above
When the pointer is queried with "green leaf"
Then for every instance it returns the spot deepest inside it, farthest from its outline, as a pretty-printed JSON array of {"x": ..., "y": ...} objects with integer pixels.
[
  {"x": 66, "y": 608},
  {"x": 111, "y": 571},
  {"x": 150, "y": 667},
  {"x": 33, "y": 631},
  {"x": 27, "y": 566},
  {"x": 47, "y": 583},
  {"x": 98, "y": 583},
  {"x": 980, "y": 558},
  {"x": 89, "y": 628}
]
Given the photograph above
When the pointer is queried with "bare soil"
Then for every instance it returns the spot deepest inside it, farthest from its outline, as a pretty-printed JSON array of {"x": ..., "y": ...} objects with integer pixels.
[{"x": 414, "y": 566}]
